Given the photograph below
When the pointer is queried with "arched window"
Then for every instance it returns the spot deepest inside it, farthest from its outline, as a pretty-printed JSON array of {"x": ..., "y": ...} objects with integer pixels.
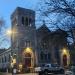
[
  {"x": 41, "y": 56},
  {"x": 5, "y": 59},
  {"x": 49, "y": 56},
  {"x": 30, "y": 22},
  {"x": 14, "y": 21},
  {"x": 9, "y": 58},
  {"x": 2, "y": 60},
  {"x": 23, "y": 20},
  {"x": 28, "y": 43},
  {"x": 26, "y": 21}
]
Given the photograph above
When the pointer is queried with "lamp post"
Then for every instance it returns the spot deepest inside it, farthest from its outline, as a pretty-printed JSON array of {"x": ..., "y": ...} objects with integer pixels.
[
  {"x": 20, "y": 67},
  {"x": 13, "y": 56},
  {"x": 13, "y": 63},
  {"x": 14, "y": 60}
]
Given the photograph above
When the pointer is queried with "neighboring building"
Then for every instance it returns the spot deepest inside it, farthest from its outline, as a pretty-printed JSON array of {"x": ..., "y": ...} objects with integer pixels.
[
  {"x": 5, "y": 60},
  {"x": 50, "y": 45},
  {"x": 72, "y": 47},
  {"x": 31, "y": 46},
  {"x": 73, "y": 30}
]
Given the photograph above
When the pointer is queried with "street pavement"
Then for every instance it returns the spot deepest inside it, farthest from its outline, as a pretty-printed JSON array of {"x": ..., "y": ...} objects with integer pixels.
[
  {"x": 21, "y": 74},
  {"x": 26, "y": 74}
]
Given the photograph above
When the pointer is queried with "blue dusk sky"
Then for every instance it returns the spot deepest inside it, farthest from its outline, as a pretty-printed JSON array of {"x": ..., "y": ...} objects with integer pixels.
[
  {"x": 8, "y": 6},
  {"x": 6, "y": 9}
]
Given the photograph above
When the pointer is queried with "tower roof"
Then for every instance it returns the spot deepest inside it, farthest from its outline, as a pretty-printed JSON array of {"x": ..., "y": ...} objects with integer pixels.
[{"x": 20, "y": 10}]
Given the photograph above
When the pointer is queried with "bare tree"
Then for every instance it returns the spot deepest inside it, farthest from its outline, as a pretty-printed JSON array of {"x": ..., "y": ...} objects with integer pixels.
[
  {"x": 60, "y": 6},
  {"x": 3, "y": 37},
  {"x": 64, "y": 15},
  {"x": 63, "y": 11},
  {"x": 2, "y": 22}
]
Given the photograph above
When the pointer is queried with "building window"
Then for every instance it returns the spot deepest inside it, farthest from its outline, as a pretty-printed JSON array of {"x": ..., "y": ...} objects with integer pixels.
[
  {"x": 23, "y": 20},
  {"x": 49, "y": 56},
  {"x": 2, "y": 60},
  {"x": 28, "y": 43},
  {"x": 44, "y": 45},
  {"x": 41, "y": 56},
  {"x": 45, "y": 56},
  {"x": 9, "y": 58},
  {"x": 57, "y": 54},
  {"x": 26, "y": 21},
  {"x": 30, "y": 21},
  {"x": 14, "y": 21},
  {"x": 5, "y": 59}
]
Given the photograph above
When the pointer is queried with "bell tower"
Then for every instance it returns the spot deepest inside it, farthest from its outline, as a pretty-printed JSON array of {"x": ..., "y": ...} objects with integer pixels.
[{"x": 24, "y": 36}]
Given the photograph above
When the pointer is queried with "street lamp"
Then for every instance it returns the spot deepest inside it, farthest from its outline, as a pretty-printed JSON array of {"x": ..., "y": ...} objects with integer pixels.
[
  {"x": 13, "y": 57},
  {"x": 64, "y": 51},
  {"x": 13, "y": 61},
  {"x": 20, "y": 67},
  {"x": 9, "y": 32}
]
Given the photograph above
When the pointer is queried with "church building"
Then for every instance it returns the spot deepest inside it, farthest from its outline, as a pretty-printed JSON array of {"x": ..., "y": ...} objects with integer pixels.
[{"x": 32, "y": 47}]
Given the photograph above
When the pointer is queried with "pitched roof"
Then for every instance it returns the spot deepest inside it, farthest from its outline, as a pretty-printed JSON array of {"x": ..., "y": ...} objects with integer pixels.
[
  {"x": 43, "y": 28},
  {"x": 2, "y": 50}
]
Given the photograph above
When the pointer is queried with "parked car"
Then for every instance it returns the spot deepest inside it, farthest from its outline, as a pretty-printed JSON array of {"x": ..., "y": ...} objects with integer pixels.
[
  {"x": 50, "y": 69},
  {"x": 37, "y": 69},
  {"x": 73, "y": 69},
  {"x": 69, "y": 72}
]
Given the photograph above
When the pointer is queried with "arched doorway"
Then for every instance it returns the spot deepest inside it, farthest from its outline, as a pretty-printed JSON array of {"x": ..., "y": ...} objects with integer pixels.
[
  {"x": 27, "y": 60},
  {"x": 65, "y": 60}
]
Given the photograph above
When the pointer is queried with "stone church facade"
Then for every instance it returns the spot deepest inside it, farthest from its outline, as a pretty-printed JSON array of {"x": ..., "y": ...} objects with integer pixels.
[{"x": 30, "y": 46}]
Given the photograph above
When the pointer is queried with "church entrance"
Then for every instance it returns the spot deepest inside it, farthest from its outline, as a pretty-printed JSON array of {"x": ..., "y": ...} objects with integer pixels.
[
  {"x": 65, "y": 60},
  {"x": 27, "y": 60}
]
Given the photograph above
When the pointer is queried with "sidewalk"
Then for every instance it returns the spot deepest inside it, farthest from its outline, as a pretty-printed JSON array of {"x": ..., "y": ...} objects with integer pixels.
[{"x": 21, "y": 74}]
